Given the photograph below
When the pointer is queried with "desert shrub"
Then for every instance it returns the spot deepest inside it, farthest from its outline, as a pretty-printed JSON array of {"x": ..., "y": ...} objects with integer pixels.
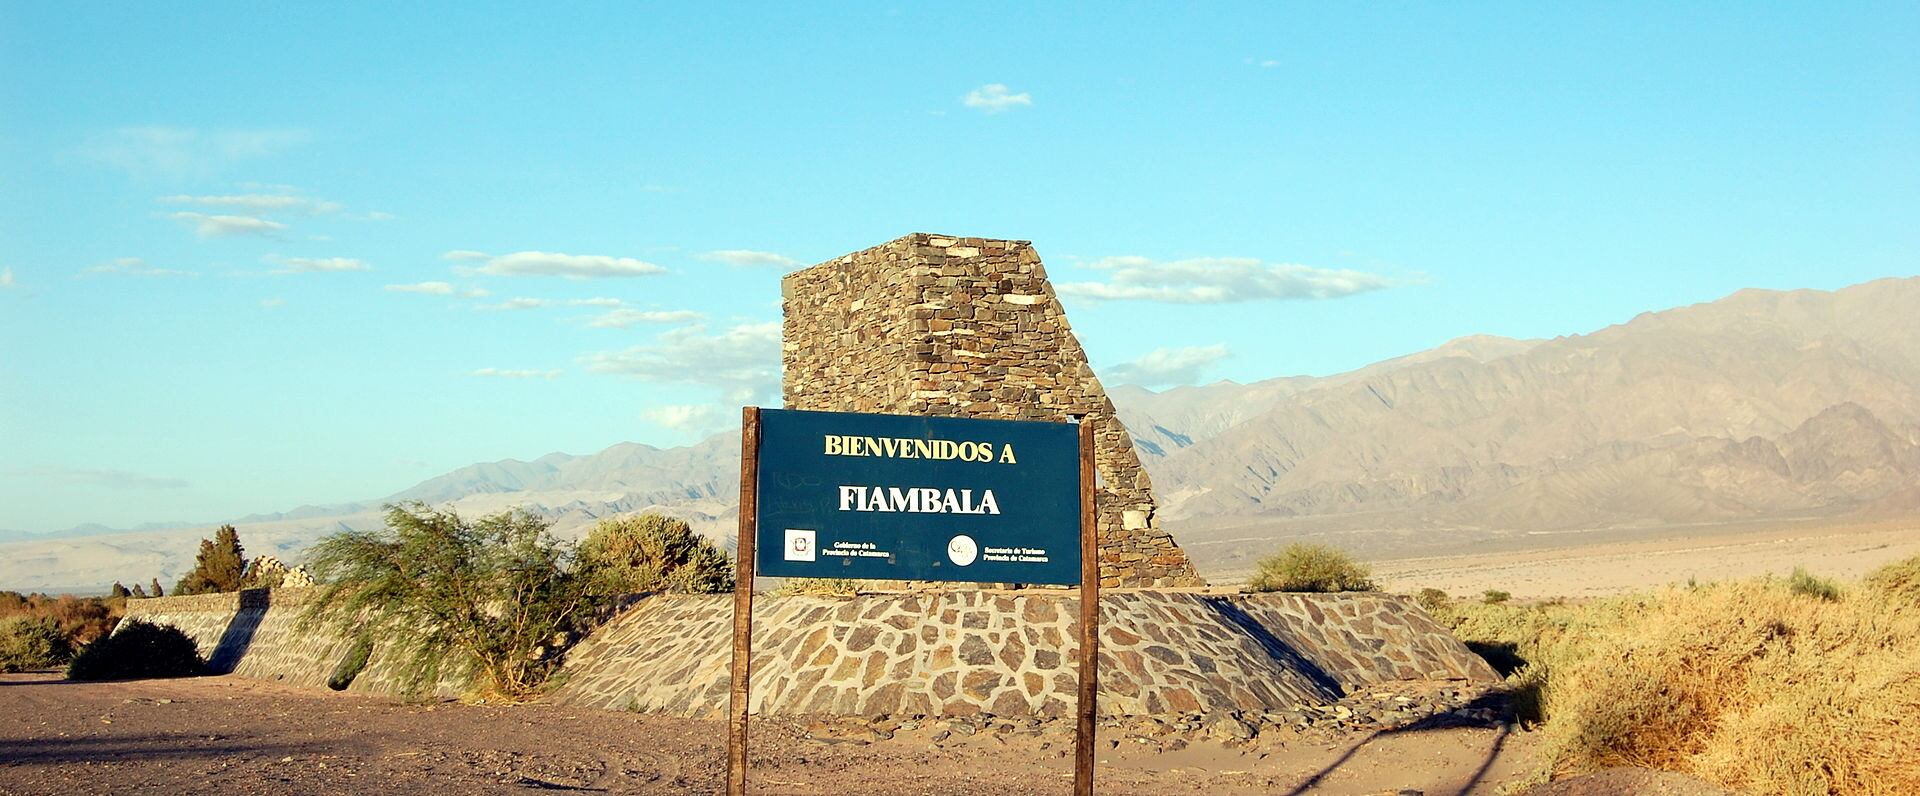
[
  {"x": 650, "y": 553},
  {"x": 489, "y": 596},
  {"x": 80, "y": 619},
  {"x": 1495, "y": 596},
  {"x": 1899, "y": 580},
  {"x": 1434, "y": 600},
  {"x": 351, "y": 664},
  {"x": 1309, "y": 568},
  {"x": 1748, "y": 684},
  {"x": 138, "y": 649},
  {"x": 32, "y": 643},
  {"x": 220, "y": 565},
  {"x": 818, "y": 587},
  {"x": 1806, "y": 584}
]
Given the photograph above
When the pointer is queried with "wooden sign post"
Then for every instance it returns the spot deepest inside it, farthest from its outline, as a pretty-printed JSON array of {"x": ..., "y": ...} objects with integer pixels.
[{"x": 830, "y": 518}]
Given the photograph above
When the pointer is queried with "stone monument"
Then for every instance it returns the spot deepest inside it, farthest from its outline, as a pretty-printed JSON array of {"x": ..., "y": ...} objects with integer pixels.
[{"x": 969, "y": 327}]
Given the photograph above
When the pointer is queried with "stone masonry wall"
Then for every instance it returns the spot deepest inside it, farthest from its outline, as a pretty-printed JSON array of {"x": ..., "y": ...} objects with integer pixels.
[
  {"x": 937, "y": 325},
  {"x": 1012, "y": 653},
  {"x": 255, "y": 633}
]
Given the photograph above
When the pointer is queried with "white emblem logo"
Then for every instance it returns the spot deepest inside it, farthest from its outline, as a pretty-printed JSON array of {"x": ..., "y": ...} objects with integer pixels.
[
  {"x": 800, "y": 546},
  {"x": 962, "y": 550}
]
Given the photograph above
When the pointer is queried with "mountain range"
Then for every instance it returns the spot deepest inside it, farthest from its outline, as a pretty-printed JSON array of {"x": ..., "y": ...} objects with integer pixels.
[{"x": 1762, "y": 405}]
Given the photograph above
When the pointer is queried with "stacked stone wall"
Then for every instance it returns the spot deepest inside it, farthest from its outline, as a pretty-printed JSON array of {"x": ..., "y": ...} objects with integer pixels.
[
  {"x": 1012, "y": 653},
  {"x": 257, "y": 633},
  {"x": 969, "y": 327}
]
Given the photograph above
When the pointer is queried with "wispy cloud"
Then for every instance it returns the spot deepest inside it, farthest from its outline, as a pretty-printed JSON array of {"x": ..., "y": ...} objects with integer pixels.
[
  {"x": 6, "y": 277},
  {"x": 270, "y": 303},
  {"x": 748, "y": 257},
  {"x": 524, "y": 303},
  {"x": 625, "y": 317},
  {"x": 438, "y": 289},
  {"x": 105, "y": 479},
  {"x": 177, "y": 152},
  {"x": 743, "y": 362},
  {"x": 996, "y": 98},
  {"x": 685, "y": 417},
  {"x": 133, "y": 266},
  {"x": 568, "y": 266},
  {"x": 1221, "y": 280},
  {"x": 503, "y": 373},
  {"x": 226, "y": 226},
  {"x": 1164, "y": 366},
  {"x": 308, "y": 265},
  {"x": 257, "y": 202}
]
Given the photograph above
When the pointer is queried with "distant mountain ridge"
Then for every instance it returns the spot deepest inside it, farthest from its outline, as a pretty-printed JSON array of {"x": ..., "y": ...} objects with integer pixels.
[{"x": 1764, "y": 404}]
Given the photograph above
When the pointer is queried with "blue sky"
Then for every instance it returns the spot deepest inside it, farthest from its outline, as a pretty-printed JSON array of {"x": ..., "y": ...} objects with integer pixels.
[{"x": 257, "y": 257}]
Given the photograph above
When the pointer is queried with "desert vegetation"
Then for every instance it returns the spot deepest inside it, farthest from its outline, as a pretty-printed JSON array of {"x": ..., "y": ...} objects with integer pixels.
[
  {"x": 138, "y": 649},
  {"x": 1310, "y": 568},
  {"x": 220, "y": 565},
  {"x": 496, "y": 597},
  {"x": 1774, "y": 685}
]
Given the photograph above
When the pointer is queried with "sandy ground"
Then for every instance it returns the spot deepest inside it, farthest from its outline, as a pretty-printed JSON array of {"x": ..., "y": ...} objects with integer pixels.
[
  {"x": 227, "y": 735},
  {"x": 1600, "y": 563}
]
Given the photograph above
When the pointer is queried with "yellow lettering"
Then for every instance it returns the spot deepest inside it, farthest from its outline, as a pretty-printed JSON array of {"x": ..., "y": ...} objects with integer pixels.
[
  {"x": 833, "y": 445},
  {"x": 1006, "y": 454}
]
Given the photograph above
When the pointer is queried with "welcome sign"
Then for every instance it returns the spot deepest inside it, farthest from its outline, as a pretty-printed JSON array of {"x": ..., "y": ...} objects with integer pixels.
[{"x": 898, "y": 497}]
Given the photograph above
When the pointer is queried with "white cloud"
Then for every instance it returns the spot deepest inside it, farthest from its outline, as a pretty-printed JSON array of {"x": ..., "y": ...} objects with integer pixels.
[
  {"x": 743, "y": 362},
  {"x": 625, "y": 317},
  {"x": 133, "y": 266},
  {"x": 996, "y": 98},
  {"x": 1221, "y": 280},
  {"x": 748, "y": 257},
  {"x": 569, "y": 266},
  {"x": 500, "y": 373},
  {"x": 305, "y": 265},
  {"x": 224, "y": 226},
  {"x": 176, "y": 152},
  {"x": 685, "y": 417},
  {"x": 523, "y": 303},
  {"x": 270, "y": 303},
  {"x": 106, "y": 479},
  {"x": 1164, "y": 366},
  {"x": 257, "y": 202},
  {"x": 6, "y": 277},
  {"x": 438, "y": 289}
]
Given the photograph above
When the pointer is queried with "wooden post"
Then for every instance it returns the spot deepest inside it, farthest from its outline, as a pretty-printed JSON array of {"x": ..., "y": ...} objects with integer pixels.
[
  {"x": 743, "y": 601},
  {"x": 1089, "y": 689}
]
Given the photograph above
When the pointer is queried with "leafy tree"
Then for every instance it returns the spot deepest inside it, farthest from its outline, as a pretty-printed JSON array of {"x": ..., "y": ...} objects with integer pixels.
[
  {"x": 155, "y": 590},
  {"x": 1310, "y": 568},
  {"x": 119, "y": 591},
  {"x": 139, "y": 590},
  {"x": 491, "y": 596},
  {"x": 218, "y": 567},
  {"x": 651, "y": 552}
]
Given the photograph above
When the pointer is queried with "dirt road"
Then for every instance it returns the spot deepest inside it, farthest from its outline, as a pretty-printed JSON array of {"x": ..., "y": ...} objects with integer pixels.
[{"x": 227, "y": 735}]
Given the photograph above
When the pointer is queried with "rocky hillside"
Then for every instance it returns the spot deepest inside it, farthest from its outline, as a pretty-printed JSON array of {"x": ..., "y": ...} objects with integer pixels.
[{"x": 1762, "y": 404}]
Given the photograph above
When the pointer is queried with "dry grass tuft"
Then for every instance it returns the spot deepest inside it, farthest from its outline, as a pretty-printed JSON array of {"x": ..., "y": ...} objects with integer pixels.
[{"x": 1763, "y": 686}]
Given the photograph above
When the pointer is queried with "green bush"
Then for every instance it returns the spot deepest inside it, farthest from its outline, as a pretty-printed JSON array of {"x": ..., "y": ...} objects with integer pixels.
[
  {"x": 32, "y": 643},
  {"x": 650, "y": 553},
  {"x": 1807, "y": 584},
  {"x": 351, "y": 665},
  {"x": 218, "y": 567},
  {"x": 1309, "y": 568},
  {"x": 489, "y": 596},
  {"x": 138, "y": 649},
  {"x": 818, "y": 587},
  {"x": 1434, "y": 600},
  {"x": 1495, "y": 596}
]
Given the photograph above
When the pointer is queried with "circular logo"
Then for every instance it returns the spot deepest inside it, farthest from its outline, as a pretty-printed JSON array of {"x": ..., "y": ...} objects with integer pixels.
[{"x": 962, "y": 550}]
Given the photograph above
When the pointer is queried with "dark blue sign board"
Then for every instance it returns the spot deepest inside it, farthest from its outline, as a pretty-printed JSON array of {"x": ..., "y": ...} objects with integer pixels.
[{"x": 899, "y": 497}]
